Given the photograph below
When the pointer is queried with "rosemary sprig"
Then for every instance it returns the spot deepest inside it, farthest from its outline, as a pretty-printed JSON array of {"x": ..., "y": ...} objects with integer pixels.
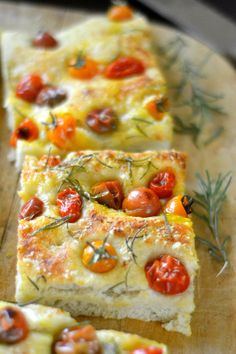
[
  {"x": 203, "y": 105},
  {"x": 53, "y": 225},
  {"x": 80, "y": 61},
  {"x": 130, "y": 243},
  {"x": 209, "y": 203},
  {"x": 75, "y": 184},
  {"x": 53, "y": 123}
]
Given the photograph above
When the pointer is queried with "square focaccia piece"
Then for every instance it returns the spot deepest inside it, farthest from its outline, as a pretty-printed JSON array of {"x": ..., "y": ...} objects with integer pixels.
[
  {"x": 94, "y": 86},
  {"x": 38, "y": 329},
  {"x": 108, "y": 234}
]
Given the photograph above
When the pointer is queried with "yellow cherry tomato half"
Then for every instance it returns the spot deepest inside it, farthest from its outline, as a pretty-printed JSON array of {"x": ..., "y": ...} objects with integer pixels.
[
  {"x": 99, "y": 256},
  {"x": 179, "y": 205},
  {"x": 120, "y": 13}
]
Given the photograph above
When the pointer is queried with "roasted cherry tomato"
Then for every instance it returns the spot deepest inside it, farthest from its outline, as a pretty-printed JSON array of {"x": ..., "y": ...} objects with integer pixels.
[
  {"x": 70, "y": 202},
  {"x": 44, "y": 40},
  {"x": 179, "y": 205},
  {"x": 27, "y": 130},
  {"x": 147, "y": 350},
  {"x": 83, "y": 68},
  {"x": 49, "y": 160},
  {"x": 163, "y": 183},
  {"x": 29, "y": 87},
  {"x": 142, "y": 202},
  {"x": 158, "y": 107},
  {"x": 51, "y": 96},
  {"x": 99, "y": 256},
  {"x": 109, "y": 193},
  {"x": 31, "y": 209},
  {"x": 77, "y": 340},
  {"x": 102, "y": 120},
  {"x": 120, "y": 13},
  {"x": 124, "y": 67},
  {"x": 62, "y": 131},
  {"x": 13, "y": 326},
  {"x": 167, "y": 275}
]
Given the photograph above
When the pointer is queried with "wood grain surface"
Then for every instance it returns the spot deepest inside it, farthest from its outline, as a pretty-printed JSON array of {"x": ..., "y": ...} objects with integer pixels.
[{"x": 213, "y": 323}]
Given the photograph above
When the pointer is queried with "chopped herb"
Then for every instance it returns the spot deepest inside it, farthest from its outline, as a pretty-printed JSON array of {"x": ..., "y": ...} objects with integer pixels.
[
  {"x": 209, "y": 202},
  {"x": 80, "y": 61},
  {"x": 33, "y": 283},
  {"x": 53, "y": 123},
  {"x": 53, "y": 225},
  {"x": 100, "y": 253}
]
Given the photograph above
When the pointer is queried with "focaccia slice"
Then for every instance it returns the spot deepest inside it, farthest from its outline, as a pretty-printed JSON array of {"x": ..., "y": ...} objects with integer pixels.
[
  {"x": 134, "y": 106},
  {"x": 40, "y": 327},
  {"x": 55, "y": 248}
]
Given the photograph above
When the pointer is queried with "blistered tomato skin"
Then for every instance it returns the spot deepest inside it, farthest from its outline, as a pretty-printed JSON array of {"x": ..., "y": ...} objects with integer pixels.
[
  {"x": 13, "y": 326},
  {"x": 163, "y": 183},
  {"x": 142, "y": 202},
  {"x": 148, "y": 350},
  {"x": 110, "y": 194},
  {"x": 69, "y": 203},
  {"x": 99, "y": 257},
  {"x": 179, "y": 205},
  {"x": 120, "y": 13},
  {"x": 44, "y": 40},
  {"x": 31, "y": 209},
  {"x": 77, "y": 340},
  {"x": 50, "y": 96},
  {"x": 124, "y": 67},
  {"x": 167, "y": 275},
  {"x": 63, "y": 132},
  {"x": 29, "y": 87},
  {"x": 27, "y": 130},
  {"x": 83, "y": 69},
  {"x": 102, "y": 120}
]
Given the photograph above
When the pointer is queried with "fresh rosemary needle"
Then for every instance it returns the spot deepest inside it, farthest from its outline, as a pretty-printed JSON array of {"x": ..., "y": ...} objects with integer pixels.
[{"x": 209, "y": 201}]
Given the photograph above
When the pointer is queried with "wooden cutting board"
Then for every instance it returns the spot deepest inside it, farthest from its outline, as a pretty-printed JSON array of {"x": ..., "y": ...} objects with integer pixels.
[{"x": 213, "y": 323}]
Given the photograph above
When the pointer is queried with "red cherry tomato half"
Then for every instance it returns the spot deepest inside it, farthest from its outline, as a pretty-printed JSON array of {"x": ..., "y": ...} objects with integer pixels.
[
  {"x": 102, "y": 120},
  {"x": 163, "y": 183},
  {"x": 27, "y": 130},
  {"x": 110, "y": 192},
  {"x": 29, "y": 87},
  {"x": 44, "y": 40},
  {"x": 78, "y": 340},
  {"x": 148, "y": 350},
  {"x": 51, "y": 96},
  {"x": 142, "y": 202},
  {"x": 31, "y": 209},
  {"x": 70, "y": 202},
  {"x": 124, "y": 67},
  {"x": 167, "y": 275},
  {"x": 13, "y": 326}
]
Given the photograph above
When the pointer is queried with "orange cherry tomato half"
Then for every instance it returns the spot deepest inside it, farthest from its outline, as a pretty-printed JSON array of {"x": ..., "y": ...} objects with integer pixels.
[
  {"x": 27, "y": 130},
  {"x": 31, "y": 209},
  {"x": 49, "y": 160},
  {"x": 124, "y": 67},
  {"x": 51, "y": 96},
  {"x": 13, "y": 326},
  {"x": 179, "y": 205},
  {"x": 62, "y": 132},
  {"x": 70, "y": 202},
  {"x": 167, "y": 275},
  {"x": 29, "y": 87},
  {"x": 110, "y": 194},
  {"x": 148, "y": 350},
  {"x": 99, "y": 257},
  {"x": 158, "y": 107},
  {"x": 83, "y": 68},
  {"x": 44, "y": 40},
  {"x": 102, "y": 120},
  {"x": 120, "y": 13},
  {"x": 163, "y": 183},
  {"x": 77, "y": 340},
  {"x": 142, "y": 202}
]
